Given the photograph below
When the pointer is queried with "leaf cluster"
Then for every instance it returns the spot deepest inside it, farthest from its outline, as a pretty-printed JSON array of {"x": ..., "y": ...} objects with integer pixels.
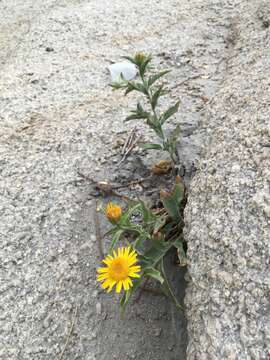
[
  {"x": 152, "y": 235},
  {"x": 149, "y": 86}
]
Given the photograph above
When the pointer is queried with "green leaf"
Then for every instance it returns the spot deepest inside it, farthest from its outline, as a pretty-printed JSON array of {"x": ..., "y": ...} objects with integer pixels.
[
  {"x": 148, "y": 146},
  {"x": 157, "y": 251},
  {"x": 115, "y": 239},
  {"x": 175, "y": 133},
  {"x": 179, "y": 190},
  {"x": 139, "y": 244},
  {"x": 128, "y": 294},
  {"x": 111, "y": 231},
  {"x": 172, "y": 199},
  {"x": 117, "y": 85},
  {"x": 160, "y": 222},
  {"x": 140, "y": 60},
  {"x": 159, "y": 92},
  {"x": 153, "y": 78},
  {"x": 178, "y": 243},
  {"x": 135, "y": 86},
  {"x": 143, "y": 66},
  {"x": 151, "y": 121},
  {"x": 171, "y": 204},
  {"x": 120, "y": 83},
  {"x": 131, "y": 59},
  {"x": 133, "y": 117},
  {"x": 170, "y": 112},
  {"x": 155, "y": 274},
  {"x": 139, "y": 113},
  {"x": 147, "y": 214},
  {"x": 156, "y": 126},
  {"x": 172, "y": 141},
  {"x": 125, "y": 218},
  {"x": 140, "y": 108},
  {"x": 136, "y": 116}
]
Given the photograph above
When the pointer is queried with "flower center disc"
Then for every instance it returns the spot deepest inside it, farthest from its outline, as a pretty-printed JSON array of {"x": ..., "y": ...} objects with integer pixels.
[{"x": 119, "y": 269}]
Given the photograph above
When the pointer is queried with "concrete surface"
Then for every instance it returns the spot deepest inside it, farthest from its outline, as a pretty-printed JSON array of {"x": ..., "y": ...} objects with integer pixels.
[
  {"x": 58, "y": 115},
  {"x": 228, "y": 213}
]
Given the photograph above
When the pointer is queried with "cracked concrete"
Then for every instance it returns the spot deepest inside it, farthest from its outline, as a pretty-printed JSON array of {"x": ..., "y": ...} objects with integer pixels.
[{"x": 58, "y": 115}]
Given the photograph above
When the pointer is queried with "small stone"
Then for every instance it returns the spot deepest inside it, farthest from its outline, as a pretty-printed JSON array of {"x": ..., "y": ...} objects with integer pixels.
[{"x": 49, "y": 49}]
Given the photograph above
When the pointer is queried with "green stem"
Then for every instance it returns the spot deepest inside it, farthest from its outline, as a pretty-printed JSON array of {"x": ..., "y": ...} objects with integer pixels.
[{"x": 168, "y": 288}]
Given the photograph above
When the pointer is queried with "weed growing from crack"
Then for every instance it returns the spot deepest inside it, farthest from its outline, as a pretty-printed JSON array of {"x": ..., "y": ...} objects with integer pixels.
[
  {"x": 140, "y": 235},
  {"x": 147, "y": 86},
  {"x": 150, "y": 233}
]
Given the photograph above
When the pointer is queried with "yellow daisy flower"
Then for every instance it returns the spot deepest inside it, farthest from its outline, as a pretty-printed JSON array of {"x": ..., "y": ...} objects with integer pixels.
[
  {"x": 120, "y": 269},
  {"x": 113, "y": 212}
]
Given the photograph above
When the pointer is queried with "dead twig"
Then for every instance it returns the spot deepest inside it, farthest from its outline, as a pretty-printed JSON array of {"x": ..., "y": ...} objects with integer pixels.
[
  {"x": 129, "y": 145},
  {"x": 70, "y": 332},
  {"x": 98, "y": 233},
  {"x": 131, "y": 183},
  {"x": 108, "y": 189},
  {"x": 186, "y": 80}
]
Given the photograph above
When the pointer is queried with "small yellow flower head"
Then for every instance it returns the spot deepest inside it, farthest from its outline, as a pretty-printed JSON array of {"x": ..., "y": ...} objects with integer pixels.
[
  {"x": 140, "y": 57},
  {"x": 113, "y": 212},
  {"x": 119, "y": 270}
]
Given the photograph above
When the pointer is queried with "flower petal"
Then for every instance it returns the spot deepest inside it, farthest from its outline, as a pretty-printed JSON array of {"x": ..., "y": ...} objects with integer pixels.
[
  {"x": 119, "y": 286},
  {"x": 134, "y": 275},
  {"x": 136, "y": 268},
  {"x": 126, "y": 284},
  {"x": 101, "y": 277},
  {"x": 106, "y": 284},
  {"x": 111, "y": 286}
]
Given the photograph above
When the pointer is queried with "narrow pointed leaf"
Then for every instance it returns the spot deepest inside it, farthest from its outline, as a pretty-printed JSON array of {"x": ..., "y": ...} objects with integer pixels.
[
  {"x": 143, "y": 66},
  {"x": 149, "y": 146},
  {"x": 115, "y": 240},
  {"x": 153, "y": 78},
  {"x": 178, "y": 243},
  {"x": 175, "y": 133},
  {"x": 157, "y": 95},
  {"x": 135, "y": 86},
  {"x": 128, "y": 294},
  {"x": 178, "y": 191},
  {"x": 170, "y": 112},
  {"x": 155, "y": 253},
  {"x": 155, "y": 274},
  {"x": 171, "y": 204},
  {"x": 131, "y": 59},
  {"x": 136, "y": 116}
]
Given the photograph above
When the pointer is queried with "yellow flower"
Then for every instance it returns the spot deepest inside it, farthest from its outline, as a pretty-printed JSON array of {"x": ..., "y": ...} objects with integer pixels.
[
  {"x": 120, "y": 269},
  {"x": 113, "y": 212},
  {"x": 140, "y": 57}
]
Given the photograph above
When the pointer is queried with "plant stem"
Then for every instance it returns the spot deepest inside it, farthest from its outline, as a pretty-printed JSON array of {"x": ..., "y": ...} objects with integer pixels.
[
  {"x": 168, "y": 288},
  {"x": 173, "y": 154}
]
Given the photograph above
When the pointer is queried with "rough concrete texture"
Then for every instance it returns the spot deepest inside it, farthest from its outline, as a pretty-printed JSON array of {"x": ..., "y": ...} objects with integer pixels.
[
  {"x": 228, "y": 212},
  {"x": 59, "y": 115}
]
